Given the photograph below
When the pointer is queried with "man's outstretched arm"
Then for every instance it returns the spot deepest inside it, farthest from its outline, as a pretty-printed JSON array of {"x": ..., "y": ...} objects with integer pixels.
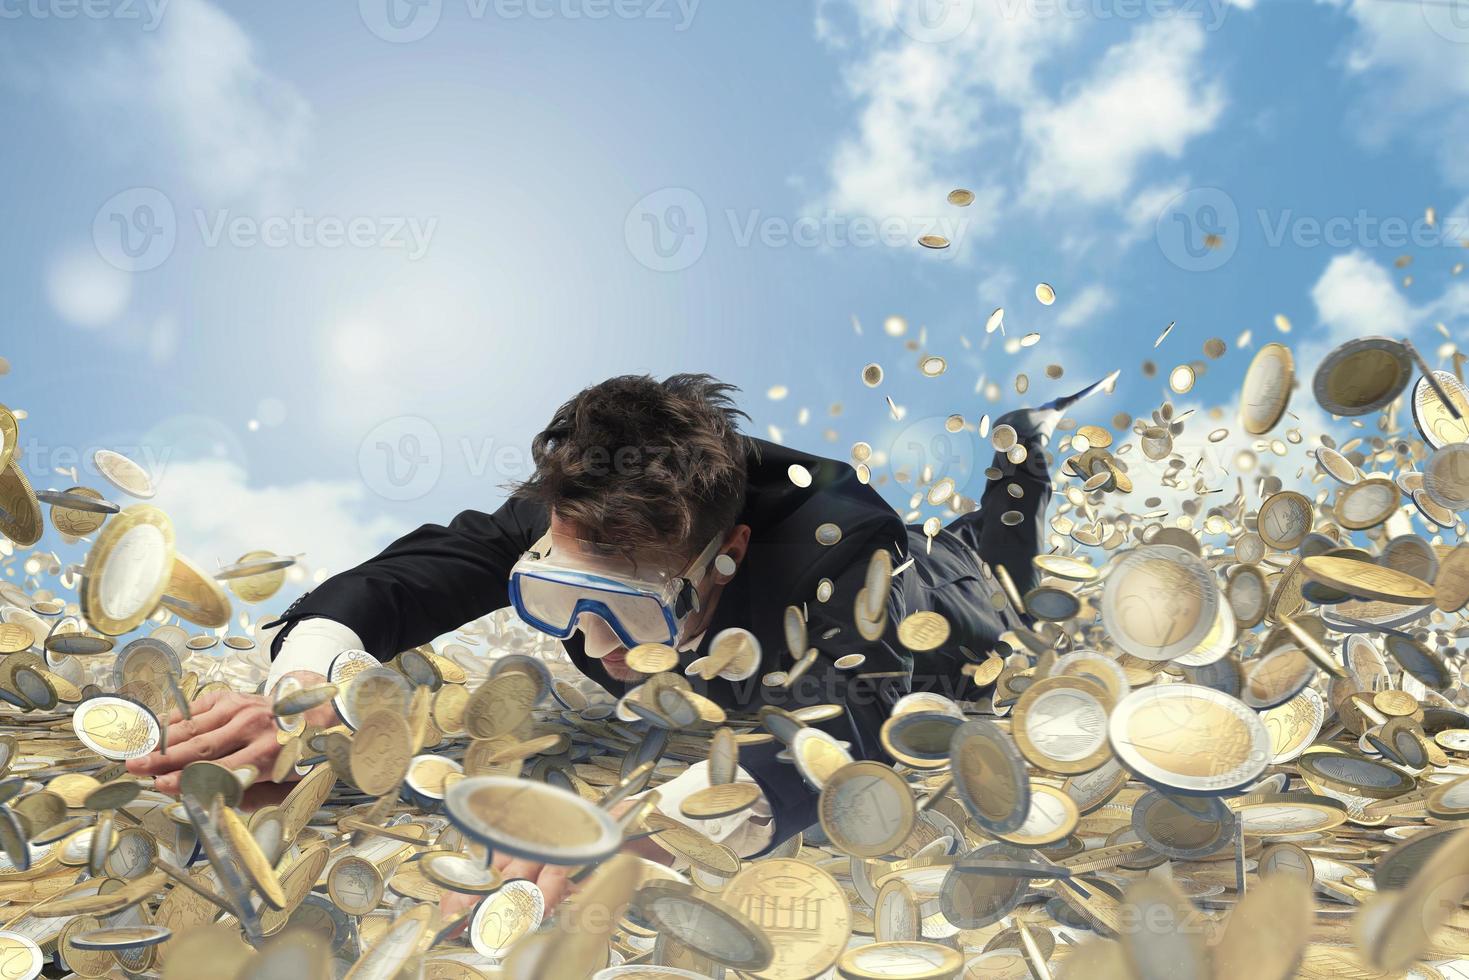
[{"x": 424, "y": 584}]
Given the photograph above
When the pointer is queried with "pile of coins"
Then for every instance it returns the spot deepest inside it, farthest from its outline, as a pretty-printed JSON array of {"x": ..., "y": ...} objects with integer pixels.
[{"x": 1232, "y": 741}]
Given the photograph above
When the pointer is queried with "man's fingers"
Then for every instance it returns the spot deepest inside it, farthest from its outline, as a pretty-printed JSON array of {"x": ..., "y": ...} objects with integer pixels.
[
  {"x": 554, "y": 883},
  {"x": 210, "y": 744},
  {"x": 499, "y": 860},
  {"x": 521, "y": 868},
  {"x": 183, "y": 729},
  {"x": 259, "y": 752},
  {"x": 168, "y": 784},
  {"x": 197, "y": 708}
]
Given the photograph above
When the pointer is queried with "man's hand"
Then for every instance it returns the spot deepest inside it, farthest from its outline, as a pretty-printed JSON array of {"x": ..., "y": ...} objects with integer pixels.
[{"x": 232, "y": 729}]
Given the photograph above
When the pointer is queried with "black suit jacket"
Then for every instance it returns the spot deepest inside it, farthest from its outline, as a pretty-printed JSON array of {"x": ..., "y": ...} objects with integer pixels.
[{"x": 439, "y": 577}]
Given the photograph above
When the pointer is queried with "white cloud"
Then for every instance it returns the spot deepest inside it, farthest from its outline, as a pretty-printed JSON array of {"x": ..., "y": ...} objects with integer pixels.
[
  {"x": 84, "y": 290},
  {"x": 927, "y": 110},
  {"x": 1420, "y": 78},
  {"x": 1148, "y": 97},
  {"x": 1357, "y": 297},
  {"x": 1091, "y": 302},
  {"x": 202, "y": 94},
  {"x": 935, "y": 115},
  {"x": 218, "y": 516}
]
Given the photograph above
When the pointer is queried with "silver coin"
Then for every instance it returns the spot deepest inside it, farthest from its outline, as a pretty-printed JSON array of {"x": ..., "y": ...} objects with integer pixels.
[
  {"x": 1446, "y": 477},
  {"x": 1184, "y": 828}
]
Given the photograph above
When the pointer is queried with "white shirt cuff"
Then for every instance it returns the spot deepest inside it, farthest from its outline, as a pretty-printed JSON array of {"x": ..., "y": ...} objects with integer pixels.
[
  {"x": 311, "y": 645},
  {"x": 739, "y": 831}
]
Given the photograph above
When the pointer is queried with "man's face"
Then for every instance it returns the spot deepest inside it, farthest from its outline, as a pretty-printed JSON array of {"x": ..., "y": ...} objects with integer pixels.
[{"x": 599, "y": 640}]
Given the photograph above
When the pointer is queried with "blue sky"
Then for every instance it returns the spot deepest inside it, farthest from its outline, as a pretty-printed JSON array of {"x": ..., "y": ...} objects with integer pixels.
[{"x": 327, "y": 268}]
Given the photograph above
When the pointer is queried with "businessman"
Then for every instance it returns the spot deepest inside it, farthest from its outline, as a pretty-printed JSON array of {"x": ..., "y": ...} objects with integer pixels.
[{"x": 652, "y": 518}]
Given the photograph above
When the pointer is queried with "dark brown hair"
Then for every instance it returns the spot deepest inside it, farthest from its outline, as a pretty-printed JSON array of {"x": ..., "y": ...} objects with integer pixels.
[{"x": 636, "y": 462}]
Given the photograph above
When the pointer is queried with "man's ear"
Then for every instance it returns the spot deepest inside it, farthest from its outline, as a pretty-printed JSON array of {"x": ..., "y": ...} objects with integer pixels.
[{"x": 732, "y": 552}]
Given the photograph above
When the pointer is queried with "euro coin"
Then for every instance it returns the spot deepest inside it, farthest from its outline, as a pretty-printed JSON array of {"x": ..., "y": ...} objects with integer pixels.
[
  {"x": 866, "y": 809},
  {"x": 1362, "y": 376},
  {"x": 1159, "y": 602},
  {"x": 1446, "y": 477},
  {"x": 123, "y": 473},
  {"x": 1189, "y": 738},
  {"x": 766, "y": 891},
  {"x": 116, "y": 728},
  {"x": 1435, "y": 421},
  {"x": 127, "y": 570},
  {"x": 1266, "y": 389}
]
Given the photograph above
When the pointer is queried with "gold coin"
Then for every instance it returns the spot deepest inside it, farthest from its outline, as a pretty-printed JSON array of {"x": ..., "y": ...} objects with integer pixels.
[
  {"x": 1045, "y": 294},
  {"x": 1369, "y": 581},
  {"x": 933, "y": 241},
  {"x": 923, "y": 630},
  {"x": 69, "y": 520},
  {"x": 193, "y": 595},
  {"x": 381, "y": 751},
  {"x": 960, "y": 197},
  {"x": 767, "y": 891},
  {"x": 20, "y": 512},
  {"x": 652, "y": 658},
  {"x": 1395, "y": 703},
  {"x": 261, "y": 586},
  {"x": 713, "y": 802},
  {"x": 14, "y": 637}
]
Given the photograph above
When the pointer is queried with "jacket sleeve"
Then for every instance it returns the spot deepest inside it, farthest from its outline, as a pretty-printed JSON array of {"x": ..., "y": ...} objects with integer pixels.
[{"x": 428, "y": 581}]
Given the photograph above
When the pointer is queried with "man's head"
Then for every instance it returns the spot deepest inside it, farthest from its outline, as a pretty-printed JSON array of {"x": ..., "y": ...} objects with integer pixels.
[{"x": 652, "y": 470}]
